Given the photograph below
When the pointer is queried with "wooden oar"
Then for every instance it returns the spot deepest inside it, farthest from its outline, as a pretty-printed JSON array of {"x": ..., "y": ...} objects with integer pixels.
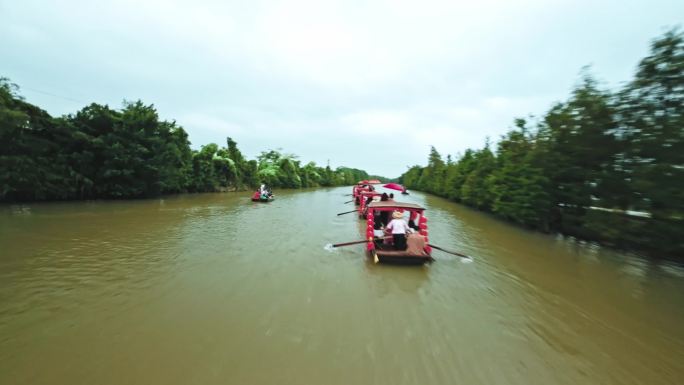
[
  {"x": 349, "y": 201},
  {"x": 349, "y": 243},
  {"x": 347, "y": 212},
  {"x": 357, "y": 242},
  {"x": 450, "y": 252}
]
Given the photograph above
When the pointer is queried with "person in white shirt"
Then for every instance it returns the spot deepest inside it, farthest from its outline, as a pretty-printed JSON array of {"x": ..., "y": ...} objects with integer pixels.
[
  {"x": 398, "y": 228},
  {"x": 265, "y": 191}
]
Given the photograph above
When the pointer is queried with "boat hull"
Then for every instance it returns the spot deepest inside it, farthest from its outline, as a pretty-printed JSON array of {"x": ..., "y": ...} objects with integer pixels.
[{"x": 394, "y": 259}]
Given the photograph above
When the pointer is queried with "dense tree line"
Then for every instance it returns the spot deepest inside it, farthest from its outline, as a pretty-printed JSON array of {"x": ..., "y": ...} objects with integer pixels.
[
  {"x": 604, "y": 166},
  {"x": 100, "y": 152}
]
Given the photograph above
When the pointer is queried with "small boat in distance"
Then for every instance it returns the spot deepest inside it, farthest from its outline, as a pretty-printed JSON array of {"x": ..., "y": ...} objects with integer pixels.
[{"x": 258, "y": 197}]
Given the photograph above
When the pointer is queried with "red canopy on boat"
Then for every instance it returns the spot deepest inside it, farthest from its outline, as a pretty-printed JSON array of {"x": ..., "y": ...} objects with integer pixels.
[
  {"x": 394, "y": 186},
  {"x": 372, "y": 181}
]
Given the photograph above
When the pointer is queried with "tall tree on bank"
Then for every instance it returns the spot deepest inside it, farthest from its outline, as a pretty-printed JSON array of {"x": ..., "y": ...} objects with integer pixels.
[
  {"x": 591, "y": 160},
  {"x": 27, "y": 171},
  {"x": 457, "y": 173},
  {"x": 651, "y": 113},
  {"x": 518, "y": 185},
  {"x": 476, "y": 190},
  {"x": 577, "y": 154},
  {"x": 100, "y": 152},
  {"x": 432, "y": 177}
]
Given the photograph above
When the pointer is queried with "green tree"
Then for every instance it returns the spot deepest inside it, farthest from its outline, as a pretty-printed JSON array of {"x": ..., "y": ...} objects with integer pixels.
[
  {"x": 411, "y": 177},
  {"x": 476, "y": 190},
  {"x": 651, "y": 110},
  {"x": 457, "y": 173},
  {"x": 204, "y": 172},
  {"x": 577, "y": 151},
  {"x": 519, "y": 188},
  {"x": 432, "y": 177}
]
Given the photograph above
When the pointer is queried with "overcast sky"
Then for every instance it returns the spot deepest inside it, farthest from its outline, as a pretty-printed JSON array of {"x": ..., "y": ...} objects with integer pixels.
[{"x": 365, "y": 84}]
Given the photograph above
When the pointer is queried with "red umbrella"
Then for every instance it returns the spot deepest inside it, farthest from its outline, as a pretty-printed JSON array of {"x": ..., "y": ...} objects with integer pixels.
[{"x": 394, "y": 186}]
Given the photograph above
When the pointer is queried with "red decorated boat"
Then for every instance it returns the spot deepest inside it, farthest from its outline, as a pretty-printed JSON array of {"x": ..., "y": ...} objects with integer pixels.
[
  {"x": 363, "y": 198},
  {"x": 258, "y": 197},
  {"x": 381, "y": 249},
  {"x": 363, "y": 186}
]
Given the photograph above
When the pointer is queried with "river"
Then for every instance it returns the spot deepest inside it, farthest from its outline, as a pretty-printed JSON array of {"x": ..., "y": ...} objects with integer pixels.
[{"x": 215, "y": 289}]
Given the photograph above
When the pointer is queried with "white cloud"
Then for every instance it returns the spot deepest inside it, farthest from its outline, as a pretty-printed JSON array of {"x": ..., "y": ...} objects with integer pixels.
[
  {"x": 327, "y": 79},
  {"x": 212, "y": 123},
  {"x": 375, "y": 123}
]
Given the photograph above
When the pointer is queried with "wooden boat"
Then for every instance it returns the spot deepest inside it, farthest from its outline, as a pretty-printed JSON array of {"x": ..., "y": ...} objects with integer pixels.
[
  {"x": 256, "y": 197},
  {"x": 417, "y": 253},
  {"x": 363, "y": 186},
  {"x": 363, "y": 197}
]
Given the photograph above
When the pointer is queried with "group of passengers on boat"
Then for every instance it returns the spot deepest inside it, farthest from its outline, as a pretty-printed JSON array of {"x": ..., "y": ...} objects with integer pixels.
[
  {"x": 396, "y": 232},
  {"x": 360, "y": 189},
  {"x": 381, "y": 198},
  {"x": 392, "y": 233},
  {"x": 263, "y": 193}
]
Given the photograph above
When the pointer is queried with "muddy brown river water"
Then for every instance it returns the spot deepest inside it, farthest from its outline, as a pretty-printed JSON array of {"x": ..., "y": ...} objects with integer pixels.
[{"x": 215, "y": 289}]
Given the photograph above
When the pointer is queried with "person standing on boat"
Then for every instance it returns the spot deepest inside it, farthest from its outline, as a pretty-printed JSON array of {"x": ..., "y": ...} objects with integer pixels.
[
  {"x": 398, "y": 228},
  {"x": 365, "y": 205},
  {"x": 384, "y": 215},
  {"x": 413, "y": 216},
  {"x": 265, "y": 191}
]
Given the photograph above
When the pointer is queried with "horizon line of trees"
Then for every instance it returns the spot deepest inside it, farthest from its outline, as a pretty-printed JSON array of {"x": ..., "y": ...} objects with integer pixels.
[
  {"x": 100, "y": 152},
  {"x": 588, "y": 163}
]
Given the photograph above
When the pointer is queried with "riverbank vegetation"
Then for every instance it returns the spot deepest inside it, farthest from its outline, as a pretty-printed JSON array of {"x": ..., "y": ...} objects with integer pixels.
[
  {"x": 100, "y": 152},
  {"x": 604, "y": 166}
]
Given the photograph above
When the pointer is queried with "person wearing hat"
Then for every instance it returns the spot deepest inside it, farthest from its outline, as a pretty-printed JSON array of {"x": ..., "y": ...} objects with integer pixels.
[{"x": 398, "y": 228}]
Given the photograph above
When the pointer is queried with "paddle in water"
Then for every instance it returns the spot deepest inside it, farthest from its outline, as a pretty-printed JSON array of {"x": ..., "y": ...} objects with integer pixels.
[
  {"x": 358, "y": 242},
  {"x": 450, "y": 252},
  {"x": 347, "y": 212},
  {"x": 349, "y": 243}
]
